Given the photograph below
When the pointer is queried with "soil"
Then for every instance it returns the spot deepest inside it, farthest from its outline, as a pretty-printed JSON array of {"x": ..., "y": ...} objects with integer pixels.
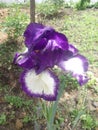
[{"x": 15, "y": 115}]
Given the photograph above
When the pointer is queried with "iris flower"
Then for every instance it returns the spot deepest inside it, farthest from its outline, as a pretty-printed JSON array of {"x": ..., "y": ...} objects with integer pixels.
[{"x": 46, "y": 48}]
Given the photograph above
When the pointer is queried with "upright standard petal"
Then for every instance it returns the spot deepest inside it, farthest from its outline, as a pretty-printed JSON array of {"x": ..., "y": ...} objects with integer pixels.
[
  {"x": 77, "y": 65},
  {"x": 32, "y": 31},
  {"x": 38, "y": 36},
  {"x": 57, "y": 41},
  {"x": 44, "y": 85}
]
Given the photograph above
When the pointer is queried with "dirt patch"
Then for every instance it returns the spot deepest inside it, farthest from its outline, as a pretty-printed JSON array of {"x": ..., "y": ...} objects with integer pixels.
[
  {"x": 3, "y": 37},
  {"x": 3, "y": 14}
]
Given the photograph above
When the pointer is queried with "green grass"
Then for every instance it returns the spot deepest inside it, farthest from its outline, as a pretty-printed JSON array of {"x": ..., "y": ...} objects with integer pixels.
[
  {"x": 82, "y": 30},
  {"x": 18, "y": 102},
  {"x": 14, "y": 5},
  {"x": 7, "y": 51},
  {"x": 3, "y": 5},
  {"x": 2, "y": 119},
  {"x": 87, "y": 121}
]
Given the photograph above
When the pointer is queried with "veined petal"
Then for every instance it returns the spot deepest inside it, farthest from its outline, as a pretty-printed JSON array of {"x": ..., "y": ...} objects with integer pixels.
[
  {"x": 44, "y": 85},
  {"x": 77, "y": 65}
]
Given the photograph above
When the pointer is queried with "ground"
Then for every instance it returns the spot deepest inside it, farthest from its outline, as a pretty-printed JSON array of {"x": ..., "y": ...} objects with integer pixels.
[{"x": 20, "y": 112}]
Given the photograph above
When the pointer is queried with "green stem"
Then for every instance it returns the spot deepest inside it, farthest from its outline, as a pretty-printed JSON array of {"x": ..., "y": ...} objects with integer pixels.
[{"x": 54, "y": 108}]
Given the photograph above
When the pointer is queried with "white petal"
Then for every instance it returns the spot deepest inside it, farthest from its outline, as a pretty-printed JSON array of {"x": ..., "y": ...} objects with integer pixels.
[
  {"x": 42, "y": 85},
  {"x": 74, "y": 65}
]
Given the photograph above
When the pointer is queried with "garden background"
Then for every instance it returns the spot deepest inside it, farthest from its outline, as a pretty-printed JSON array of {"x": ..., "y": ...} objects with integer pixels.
[{"x": 78, "y": 106}]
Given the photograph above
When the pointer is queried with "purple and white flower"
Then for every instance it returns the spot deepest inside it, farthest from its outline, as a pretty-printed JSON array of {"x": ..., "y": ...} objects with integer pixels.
[{"x": 45, "y": 49}]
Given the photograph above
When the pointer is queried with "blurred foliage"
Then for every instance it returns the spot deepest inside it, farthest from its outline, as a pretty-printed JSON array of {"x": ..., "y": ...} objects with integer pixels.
[
  {"x": 82, "y": 4},
  {"x": 3, "y": 5},
  {"x": 2, "y": 119},
  {"x": 7, "y": 51},
  {"x": 18, "y": 102},
  {"x": 82, "y": 116},
  {"x": 49, "y": 8},
  {"x": 15, "y": 23},
  {"x": 96, "y": 5}
]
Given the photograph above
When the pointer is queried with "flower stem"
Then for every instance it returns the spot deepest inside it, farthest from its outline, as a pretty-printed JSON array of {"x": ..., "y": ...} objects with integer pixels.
[{"x": 53, "y": 109}]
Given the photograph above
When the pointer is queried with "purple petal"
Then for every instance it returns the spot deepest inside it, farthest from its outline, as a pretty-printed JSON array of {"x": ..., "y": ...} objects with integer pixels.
[
  {"x": 45, "y": 85},
  {"x": 82, "y": 79},
  {"x": 73, "y": 49},
  {"x": 57, "y": 41},
  {"x": 15, "y": 58},
  {"x": 49, "y": 58},
  {"x": 25, "y": 60},
  {"x": 38, "y": 36},
  {"x": 34, "y": 34},
  {"x": 31, "y": 32}
]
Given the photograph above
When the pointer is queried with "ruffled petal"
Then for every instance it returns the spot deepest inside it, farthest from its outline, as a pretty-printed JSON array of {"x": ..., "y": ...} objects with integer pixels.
[
  {"x": 25, "y": 60},
  {"x": 57, "y": 41},
  {"x": 38, "y": 36},
  {"x": 32, "y": 31},
  {"x": 45, "y": 85},
  {"x": 77, "y": 65}
]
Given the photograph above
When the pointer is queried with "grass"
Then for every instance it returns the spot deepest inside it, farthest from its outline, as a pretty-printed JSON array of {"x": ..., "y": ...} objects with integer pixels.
[
  {"x": 7, "y": 48},
  {"x": 3, "y": 5},
  {"x": 82, "y": 30},
  {"x": 73, "y": 111},
  {"x": 2, "y": 119},
  {"x": 17, "y": 101}
]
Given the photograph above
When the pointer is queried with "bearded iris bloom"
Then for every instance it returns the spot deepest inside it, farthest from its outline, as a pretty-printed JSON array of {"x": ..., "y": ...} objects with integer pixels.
[{"x": 45, "y": 49}]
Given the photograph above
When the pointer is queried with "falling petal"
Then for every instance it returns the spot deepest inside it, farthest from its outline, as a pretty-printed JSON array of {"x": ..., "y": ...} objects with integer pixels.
[
  {"x": 44, "y": 85},
  {"x": 77, "y": 65}
]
